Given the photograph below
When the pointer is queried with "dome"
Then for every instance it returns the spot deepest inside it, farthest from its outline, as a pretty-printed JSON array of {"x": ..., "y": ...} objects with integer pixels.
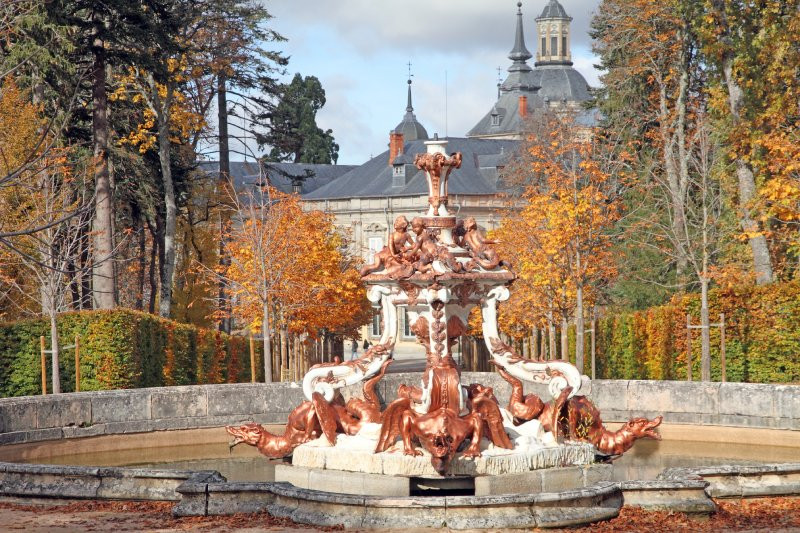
[
  {"x": 554, "y": 10},
  {"x": 560, "y": 82},
  {"x": 411, "y": 129}
]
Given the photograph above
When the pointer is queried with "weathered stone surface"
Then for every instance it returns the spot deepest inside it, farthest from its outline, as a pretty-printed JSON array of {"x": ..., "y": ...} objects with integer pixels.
[
  {"x": 673, "y": 396},
  {"x": 132, "y": 426},
  {"x": 609, "y": 394},
  {"x": 520, "y": 483},
  {"x": 18, "y": 415},
  {"x": 180, "y": 403},
  {"x": 67, "y": 411},
  {"x": 746, "y": 399},
  {"x": 685, "y": 496},
  {"x": 787, "y": 404},
  {"x": 120, "y": 406},
  {"x": 35, "y": 435},
  {"x": 71, "y": 432},
  {"x": 394, "y": 462}
]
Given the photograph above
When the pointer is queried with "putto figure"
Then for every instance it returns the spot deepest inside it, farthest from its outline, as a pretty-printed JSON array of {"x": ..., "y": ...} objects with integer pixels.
[
  {"x": 396, "y": 256},
  {"x": 426, "y": 249},
  {"x": 472, "y": 238},
  {"x": 437, "y": 167}
]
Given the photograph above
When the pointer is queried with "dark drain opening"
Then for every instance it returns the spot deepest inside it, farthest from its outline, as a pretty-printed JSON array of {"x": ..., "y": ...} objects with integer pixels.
[{"x": 448, "y": 486}]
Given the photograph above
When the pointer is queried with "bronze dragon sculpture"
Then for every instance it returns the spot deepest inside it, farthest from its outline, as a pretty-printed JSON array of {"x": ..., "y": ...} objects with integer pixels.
[
  {"x": 577, "y": 418},
  {"x": 314, "y": 418},
  {"x": 442, "y": 429}
]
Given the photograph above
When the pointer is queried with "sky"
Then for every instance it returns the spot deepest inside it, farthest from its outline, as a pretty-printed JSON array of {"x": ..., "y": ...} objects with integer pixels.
[{"x": 360, "y": 50}]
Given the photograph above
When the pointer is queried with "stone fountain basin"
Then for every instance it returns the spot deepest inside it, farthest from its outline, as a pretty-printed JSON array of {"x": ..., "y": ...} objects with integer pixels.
[{"x": 34, "y": 428}]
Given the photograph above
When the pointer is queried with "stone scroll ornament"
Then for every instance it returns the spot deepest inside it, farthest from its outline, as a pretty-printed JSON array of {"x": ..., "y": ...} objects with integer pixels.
[
  {"x": 326, "y": 378},
  {"x": 558, "y": 375}
]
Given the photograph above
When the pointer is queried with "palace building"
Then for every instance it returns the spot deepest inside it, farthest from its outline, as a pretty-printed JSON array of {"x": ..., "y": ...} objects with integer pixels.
[{"x": 366, "y": 199}]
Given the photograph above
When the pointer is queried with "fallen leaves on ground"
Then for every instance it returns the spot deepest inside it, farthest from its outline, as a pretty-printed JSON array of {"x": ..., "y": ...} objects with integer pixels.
[{"x": 769, "y": 514}]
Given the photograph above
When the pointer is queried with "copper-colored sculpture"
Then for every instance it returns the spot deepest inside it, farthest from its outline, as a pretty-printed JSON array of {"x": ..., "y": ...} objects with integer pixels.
[
  {"x": 439, "y": 276},
  {"x": 437, "y": 167},
  {"x": 307, "y": 422},
  {"x": 357, "y": 412},
  {"x": 441, "y": 430},
  {"x": 426, "y": 249},
  {"x": 472, "y": 238},
  {"x": 312, "y": 419},
  {"x": 396, "y": 256},
  {"x": 577, "y": 418}
]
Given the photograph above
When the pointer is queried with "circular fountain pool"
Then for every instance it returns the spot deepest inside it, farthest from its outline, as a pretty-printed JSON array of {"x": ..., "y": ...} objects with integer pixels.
[{"x": 207, "y": 449}]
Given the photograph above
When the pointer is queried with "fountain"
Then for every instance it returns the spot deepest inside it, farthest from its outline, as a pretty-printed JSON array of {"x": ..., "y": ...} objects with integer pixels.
[
  {"x": 363, "y": 449},
  {"x": 440, "y": 435}
]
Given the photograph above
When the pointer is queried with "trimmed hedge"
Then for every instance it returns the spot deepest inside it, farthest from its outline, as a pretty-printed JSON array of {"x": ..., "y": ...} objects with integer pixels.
[
  {"x": 762, "y": 337},
  {"x": 121, "y": 349}
]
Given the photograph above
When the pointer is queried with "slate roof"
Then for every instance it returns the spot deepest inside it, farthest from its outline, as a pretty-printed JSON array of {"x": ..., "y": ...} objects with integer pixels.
[
  {"x": 554, "y": 10},
  {"x": 560, "y": 82},
  {"x": 548, "y": 81},
  {"x": 280, "y": 175},
  {"x": 508, "y": 119},
  {"x": 374, "y": 179}
]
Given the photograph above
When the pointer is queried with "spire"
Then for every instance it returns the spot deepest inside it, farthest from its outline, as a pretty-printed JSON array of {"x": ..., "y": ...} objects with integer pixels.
[
  {"x": 409, "y": 107},
  {"x": 409, "y": 126},
  {"x": 519, "y": 54}
]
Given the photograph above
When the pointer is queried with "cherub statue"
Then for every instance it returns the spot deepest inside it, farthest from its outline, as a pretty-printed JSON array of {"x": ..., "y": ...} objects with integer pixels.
[
  {"x": 472, "y": 238},
  {"x": 396, "y": 257},
  {"x": 426, "y": 249}
]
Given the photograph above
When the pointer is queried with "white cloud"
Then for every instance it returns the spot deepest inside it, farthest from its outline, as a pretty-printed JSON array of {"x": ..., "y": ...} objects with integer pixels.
[{"x": 358, "y": 49}]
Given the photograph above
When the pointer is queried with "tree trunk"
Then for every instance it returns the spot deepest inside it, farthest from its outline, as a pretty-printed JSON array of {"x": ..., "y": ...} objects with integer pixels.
[
  {"x": 673, "y": 182},
  {"x": 103, "y": 267},
  {"x": 744, "y": 173},
  {"x": 705, "y": 337},
  {"x": 551, "y": 335},
  {"x": 171, "y": 210},
  {"x": 535, "y": 343},
  {"x": 223, "y": 187},
  {"x": 151, "y": 275},
  {"x": 139, "y": 303},
  {"x": 579, "y": 329},
  {"x": 564, "y": 339},
  {"x": 284, "y": 355},
  {"x": 266, "y": 328},
  {"x": 56, "y": 373}
]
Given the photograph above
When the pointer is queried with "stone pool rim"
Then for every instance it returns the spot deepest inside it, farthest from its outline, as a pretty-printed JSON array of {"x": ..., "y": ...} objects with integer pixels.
[{"x": 69, "y": 416}]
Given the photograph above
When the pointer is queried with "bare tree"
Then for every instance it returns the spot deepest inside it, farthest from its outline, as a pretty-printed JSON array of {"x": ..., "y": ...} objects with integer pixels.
[{"x": 48, "y": 255}]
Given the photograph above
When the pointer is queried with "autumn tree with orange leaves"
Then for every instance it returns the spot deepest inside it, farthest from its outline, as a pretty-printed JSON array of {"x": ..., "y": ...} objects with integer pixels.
[
  {"x": 287, "y": 270},
  {"x": 560, "y": 240}
]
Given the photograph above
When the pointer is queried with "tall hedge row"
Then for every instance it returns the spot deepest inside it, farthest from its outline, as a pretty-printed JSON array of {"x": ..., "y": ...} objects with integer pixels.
[
  {"x": 762, "y": 334},
  {"x": 120, "y": 349}
]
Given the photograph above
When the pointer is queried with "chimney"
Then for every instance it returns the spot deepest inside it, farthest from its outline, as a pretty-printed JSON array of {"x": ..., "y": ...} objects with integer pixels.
[
  {"x": 395, "y": 145},
  {"x": 523, "y": 106}
]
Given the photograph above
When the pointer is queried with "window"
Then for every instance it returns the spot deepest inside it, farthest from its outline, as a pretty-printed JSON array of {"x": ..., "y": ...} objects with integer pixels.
[
  {"x": 544, "y": 46},
  {"x": 495, "y": 119},
  {"x": 375, "y": 245},
  {"x": 398, "y": 176},
  {"x": 375, "y": 329},
  {"x": 563, "y": 45},
  {"x": 405, "y": 325},
  {"x": 554, "y": 46}
]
